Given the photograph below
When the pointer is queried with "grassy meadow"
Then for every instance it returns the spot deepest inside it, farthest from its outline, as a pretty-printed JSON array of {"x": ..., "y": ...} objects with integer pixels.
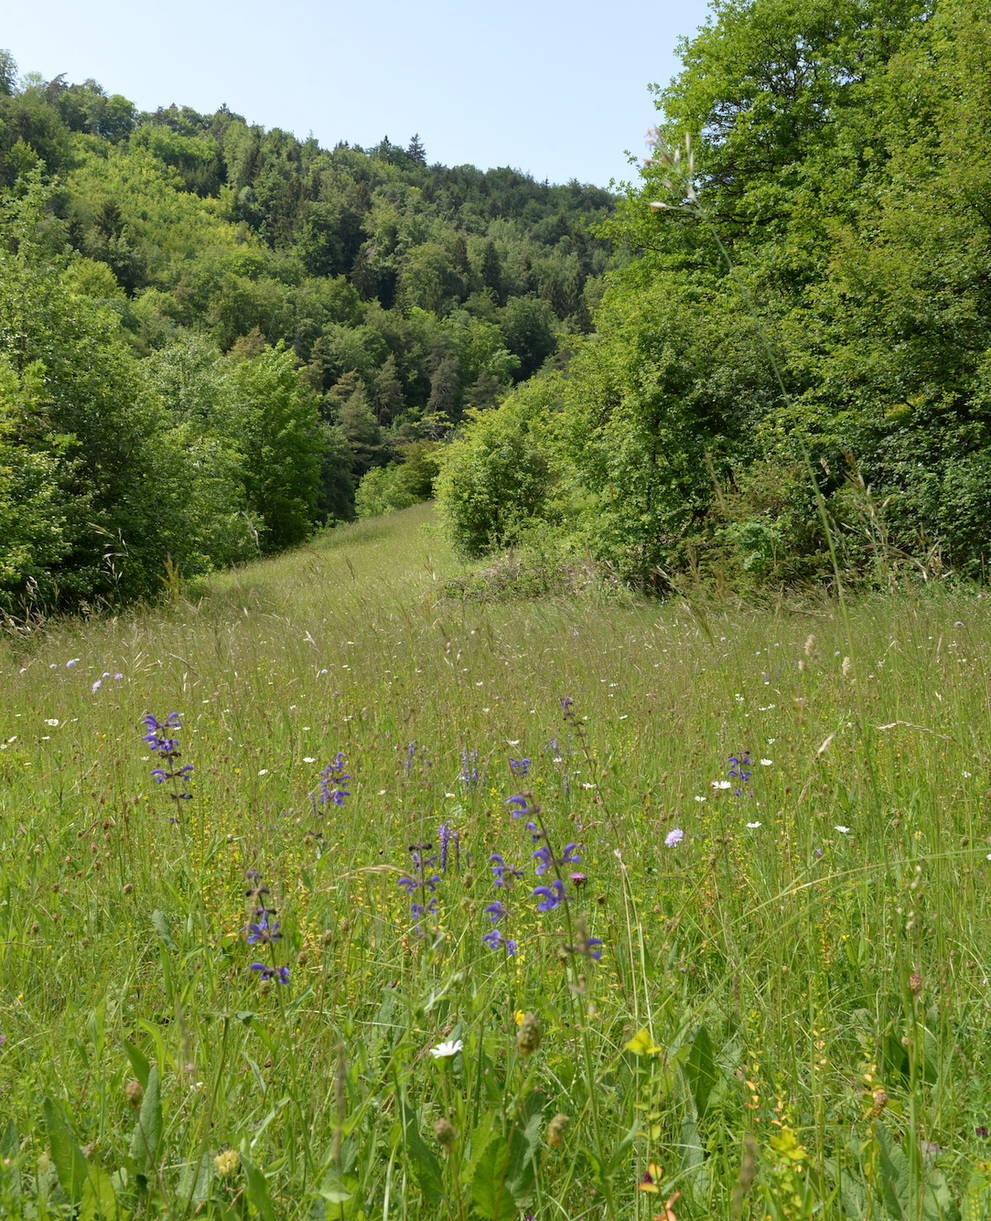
[{"x": 752, "y": 983}]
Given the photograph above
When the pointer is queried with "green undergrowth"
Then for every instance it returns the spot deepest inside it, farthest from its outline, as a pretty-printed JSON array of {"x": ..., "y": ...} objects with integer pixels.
[{"x": 754, "y": 984}]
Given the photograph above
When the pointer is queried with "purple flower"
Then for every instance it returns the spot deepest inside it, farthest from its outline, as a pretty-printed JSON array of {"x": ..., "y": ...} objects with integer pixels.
[
  {"x": 495, "y": 911},
  {"x": 279, "y": 974},
  {"x": 503, "y": 874},
  {"x": 519, "y": 767},
  {"x": 332, "y": 781},
  {"x": 261, "y": 932},
  {"x": 550, "y": 896},
  {"x": 445, "y": 838},
  {"x": 673, "y": 837},
  {"x": 469, "y": 767},
  {"x": 161, "y": 743}
]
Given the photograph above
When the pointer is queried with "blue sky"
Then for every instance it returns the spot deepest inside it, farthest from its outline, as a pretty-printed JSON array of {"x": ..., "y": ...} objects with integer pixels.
[{"x": 555, "y": 88}]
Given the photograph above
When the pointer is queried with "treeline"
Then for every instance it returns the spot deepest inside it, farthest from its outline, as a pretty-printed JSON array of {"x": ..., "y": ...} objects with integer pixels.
[
  {"x": 213, "y": 336},
  {"x": 803, "y": 336}
]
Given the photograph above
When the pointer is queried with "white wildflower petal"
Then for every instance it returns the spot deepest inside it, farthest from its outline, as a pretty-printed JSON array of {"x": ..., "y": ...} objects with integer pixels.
[{"x": 450, "y": 1048}]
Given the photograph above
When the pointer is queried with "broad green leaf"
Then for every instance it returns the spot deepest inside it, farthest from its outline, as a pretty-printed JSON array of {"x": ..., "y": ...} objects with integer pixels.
[
  {"x": 70, "y": 1163},
  {"x": 148, "y": 1130},
  {"x": 256, "y": 1191}
]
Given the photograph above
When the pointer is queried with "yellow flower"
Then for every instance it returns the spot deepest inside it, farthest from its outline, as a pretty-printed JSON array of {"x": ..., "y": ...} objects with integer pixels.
[{"x": 642, "y": 1044}]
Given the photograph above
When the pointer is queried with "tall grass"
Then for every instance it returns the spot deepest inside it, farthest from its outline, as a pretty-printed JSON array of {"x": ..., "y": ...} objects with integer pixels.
[{"x": 789, "y": 1015}]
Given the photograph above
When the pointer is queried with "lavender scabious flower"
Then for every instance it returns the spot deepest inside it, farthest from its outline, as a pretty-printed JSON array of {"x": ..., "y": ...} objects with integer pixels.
[{"x": 332, "y": 781}]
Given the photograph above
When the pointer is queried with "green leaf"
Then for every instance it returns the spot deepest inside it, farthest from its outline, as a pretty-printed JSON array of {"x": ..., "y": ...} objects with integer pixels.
[
  {"x": 70, "y": 1163},
  {"x": 893, "y": 1171},
  {"x": 490, "y": 1191},
  {"x": 700, "y": 1069},
  {"x": 148, "y": 1130},
  {"x": 161, "y": 926},
  {"x": 426, "y": 1164},
  {"x": 256, "y": 1190},
  {"x": 139, "y": 1064},
  {"x": 99, "y": 1201}
]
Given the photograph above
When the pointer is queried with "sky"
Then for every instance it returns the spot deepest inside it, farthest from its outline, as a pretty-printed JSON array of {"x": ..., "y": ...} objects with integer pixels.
[{"x": 555, "y": 88}]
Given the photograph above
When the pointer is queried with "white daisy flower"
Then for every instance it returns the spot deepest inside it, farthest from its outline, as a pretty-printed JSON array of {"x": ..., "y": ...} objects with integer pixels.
[{"x": 450, "y": 1048}]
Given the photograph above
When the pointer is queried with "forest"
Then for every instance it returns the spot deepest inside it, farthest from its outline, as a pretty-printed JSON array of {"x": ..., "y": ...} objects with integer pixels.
[
  {"x": 211, "y": 334},
  {"x": 767, "y": 362},
  {"x": 788, "y": 378}
]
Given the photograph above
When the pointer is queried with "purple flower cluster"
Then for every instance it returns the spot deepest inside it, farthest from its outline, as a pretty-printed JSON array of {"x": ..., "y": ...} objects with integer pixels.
[
  {"x": 519, "y": 767},
  {"x": 469, "y": 774},
  {"x": 740, "y": 771},
  {"x": 161, "y": 742},
  {"x": 332, "y": 781},
  {"x": 450, "y": 844},
  {"x": 421, "y": 885},
  {"x": 262, "y": 929},
  {"x": 550, "y": 894}
]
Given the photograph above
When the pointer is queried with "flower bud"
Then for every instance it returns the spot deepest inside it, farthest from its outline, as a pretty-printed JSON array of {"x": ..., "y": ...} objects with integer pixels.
[
  {"x": 528, "y": 1035},
  {"x": 227, "y": 1163},
  {"x": 445, "y": 1134},
  {"x": 556, "y": 1129},
  {"x": 133, "y": 1092}
]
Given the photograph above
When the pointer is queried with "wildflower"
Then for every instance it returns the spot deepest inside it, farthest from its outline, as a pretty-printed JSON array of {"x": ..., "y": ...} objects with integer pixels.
[
  {"x": 588, "y": 947},
  {"x": 445, "y": 1134},
  {"x": 739, "y": 771},
  {"x": 279, "y": 974},
  {"x": 73, "y": 661},
  {"x": 161, "y": 742},
  {"x": 503, "y": 874},
  {"x": 556, "y": 1129},
  {"x": 519, "y": 767},
  {"x": 260, "y": 932},
  {"x": 96, "y": 686},
  {"x": 494, "y": 939},
  {"x": 134, "y": 1092},
  {"x": 649, "y": 1180},
  {"x": 673, "y": 837},
  {"x": 444, "y": 1050},
  {"x": 842, "y": 830},
  {"x": 422, "y": 884},
  {"x": 550, "y": 896},
  {"x": 721, "y": 784},
  {"x": 445, "y": 838},
  {"x": 469, "y": 767},
  {"x": 528, "y": 1034},
  {"x": 227, "y": 1163},
  {"x": 578, "y": 880},
  {"x": 332, "y": 781},
  {"x": 753, "y": 825}
]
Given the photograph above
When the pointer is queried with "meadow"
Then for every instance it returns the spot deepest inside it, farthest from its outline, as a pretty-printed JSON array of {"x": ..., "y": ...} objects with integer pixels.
[{"x": 569, "y": 908}]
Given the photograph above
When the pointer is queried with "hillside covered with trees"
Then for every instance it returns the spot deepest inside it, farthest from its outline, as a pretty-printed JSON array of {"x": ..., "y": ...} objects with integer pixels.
[
  {"x": 803, "y": 334},
  {"x": 210, "y": 332}
]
